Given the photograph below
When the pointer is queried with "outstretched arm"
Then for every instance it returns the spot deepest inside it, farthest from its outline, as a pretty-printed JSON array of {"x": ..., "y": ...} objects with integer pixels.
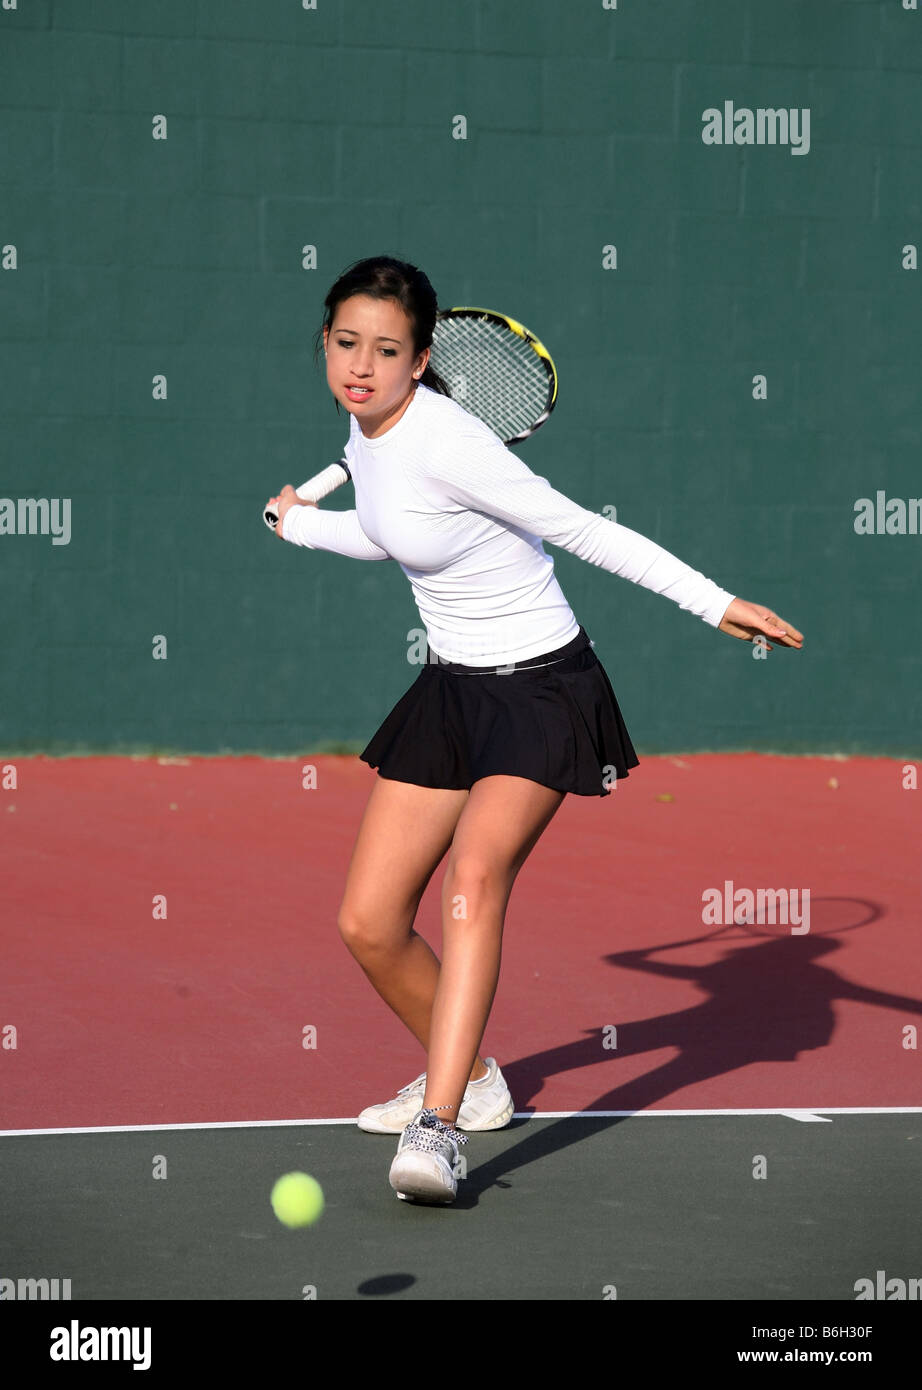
[{"x": 480, "y": 472}]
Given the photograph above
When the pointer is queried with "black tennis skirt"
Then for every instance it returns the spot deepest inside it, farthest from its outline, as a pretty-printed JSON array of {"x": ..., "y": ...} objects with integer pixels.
[{"x": 552, "y": 718}]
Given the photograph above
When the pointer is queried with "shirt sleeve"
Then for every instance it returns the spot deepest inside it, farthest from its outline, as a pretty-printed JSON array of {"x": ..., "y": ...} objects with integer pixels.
[
  {"x": 336, "y": 531},
  {"x": 482, "y": 473}
]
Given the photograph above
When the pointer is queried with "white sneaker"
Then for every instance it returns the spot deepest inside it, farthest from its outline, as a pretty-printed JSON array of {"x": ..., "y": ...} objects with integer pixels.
[
  {"x": 426, "y": 1165},
  {"x": 487, "y": 1104}
]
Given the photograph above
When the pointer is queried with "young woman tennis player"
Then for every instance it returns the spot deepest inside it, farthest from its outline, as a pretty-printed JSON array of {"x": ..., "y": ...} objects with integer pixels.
[{"x": 511, "y": 711}]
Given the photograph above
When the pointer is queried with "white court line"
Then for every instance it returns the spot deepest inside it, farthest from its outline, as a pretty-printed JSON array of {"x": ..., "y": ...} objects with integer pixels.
[{"x": 801, "y": 1113}]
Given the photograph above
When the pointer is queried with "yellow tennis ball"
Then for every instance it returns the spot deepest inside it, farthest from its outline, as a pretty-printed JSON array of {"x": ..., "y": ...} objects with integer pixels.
[{"x": 297, "y": 1200}]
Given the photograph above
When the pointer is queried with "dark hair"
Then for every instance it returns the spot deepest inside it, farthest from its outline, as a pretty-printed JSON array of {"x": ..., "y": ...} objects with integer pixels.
[{"x": 383, "y": 277}]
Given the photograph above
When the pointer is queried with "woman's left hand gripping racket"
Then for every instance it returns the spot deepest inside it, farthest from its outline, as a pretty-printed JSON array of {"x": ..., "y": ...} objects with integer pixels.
[{"x": 494, "y": 368}]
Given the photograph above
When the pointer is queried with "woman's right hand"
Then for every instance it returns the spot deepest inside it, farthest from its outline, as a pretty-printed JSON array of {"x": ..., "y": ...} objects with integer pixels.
[{"x": 283, "y": 504}]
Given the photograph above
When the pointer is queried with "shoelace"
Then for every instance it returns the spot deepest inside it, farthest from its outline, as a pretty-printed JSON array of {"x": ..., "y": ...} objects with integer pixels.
[
  {"x": 429, "y": 1132},
  {"x": 411, "y": 1085}
]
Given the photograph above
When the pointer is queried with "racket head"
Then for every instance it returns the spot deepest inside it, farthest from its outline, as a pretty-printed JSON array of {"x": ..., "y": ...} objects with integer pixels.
[
  {"x": 828, "y": 916},
  {"x": 496, "y": 368},
  {"x": 767, "y": 917}
]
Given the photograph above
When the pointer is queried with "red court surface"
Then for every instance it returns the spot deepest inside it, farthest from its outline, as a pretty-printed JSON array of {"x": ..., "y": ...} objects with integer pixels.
[{"x": 124, "y": 1018}]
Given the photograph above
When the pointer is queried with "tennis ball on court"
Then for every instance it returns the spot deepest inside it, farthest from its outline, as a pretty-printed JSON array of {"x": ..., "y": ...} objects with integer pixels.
[{"x": 297, "y": 1200}]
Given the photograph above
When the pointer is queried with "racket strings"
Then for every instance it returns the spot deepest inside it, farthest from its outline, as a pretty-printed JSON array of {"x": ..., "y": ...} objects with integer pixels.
[{"x": 492, "y": 372}]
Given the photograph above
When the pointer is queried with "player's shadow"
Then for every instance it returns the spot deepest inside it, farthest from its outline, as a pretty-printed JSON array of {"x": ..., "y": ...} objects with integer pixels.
[{"x": 768, "y": 1000}]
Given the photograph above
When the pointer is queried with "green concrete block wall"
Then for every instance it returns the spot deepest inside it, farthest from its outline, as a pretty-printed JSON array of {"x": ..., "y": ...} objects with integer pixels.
[{"x": 332, "y": 127}]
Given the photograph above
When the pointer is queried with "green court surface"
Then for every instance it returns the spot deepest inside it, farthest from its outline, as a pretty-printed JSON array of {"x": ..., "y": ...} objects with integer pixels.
[{"x": 645, "y": 1207}]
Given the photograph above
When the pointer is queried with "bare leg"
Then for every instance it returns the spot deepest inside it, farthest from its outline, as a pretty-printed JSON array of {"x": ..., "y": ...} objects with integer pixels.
[
  {"x": 404, "y": 833},
  {"x": 496, "y": 831}
]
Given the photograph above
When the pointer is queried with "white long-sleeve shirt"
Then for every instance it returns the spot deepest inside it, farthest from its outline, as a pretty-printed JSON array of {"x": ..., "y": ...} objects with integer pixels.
[{"x": 464, "y": 518}]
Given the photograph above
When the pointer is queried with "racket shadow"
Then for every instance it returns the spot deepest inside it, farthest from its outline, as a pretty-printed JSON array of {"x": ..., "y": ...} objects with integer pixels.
[{"x": 769, "y": 1000}]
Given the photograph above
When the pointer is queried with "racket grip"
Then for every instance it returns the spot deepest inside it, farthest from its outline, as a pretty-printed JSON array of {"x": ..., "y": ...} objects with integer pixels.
[{"x": 315, "y": 488}]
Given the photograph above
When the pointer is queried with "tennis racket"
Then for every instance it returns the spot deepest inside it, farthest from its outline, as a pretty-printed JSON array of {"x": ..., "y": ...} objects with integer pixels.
[
  {"x": 494, "y": 368},
  {"x": 828, "y": 917}
]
